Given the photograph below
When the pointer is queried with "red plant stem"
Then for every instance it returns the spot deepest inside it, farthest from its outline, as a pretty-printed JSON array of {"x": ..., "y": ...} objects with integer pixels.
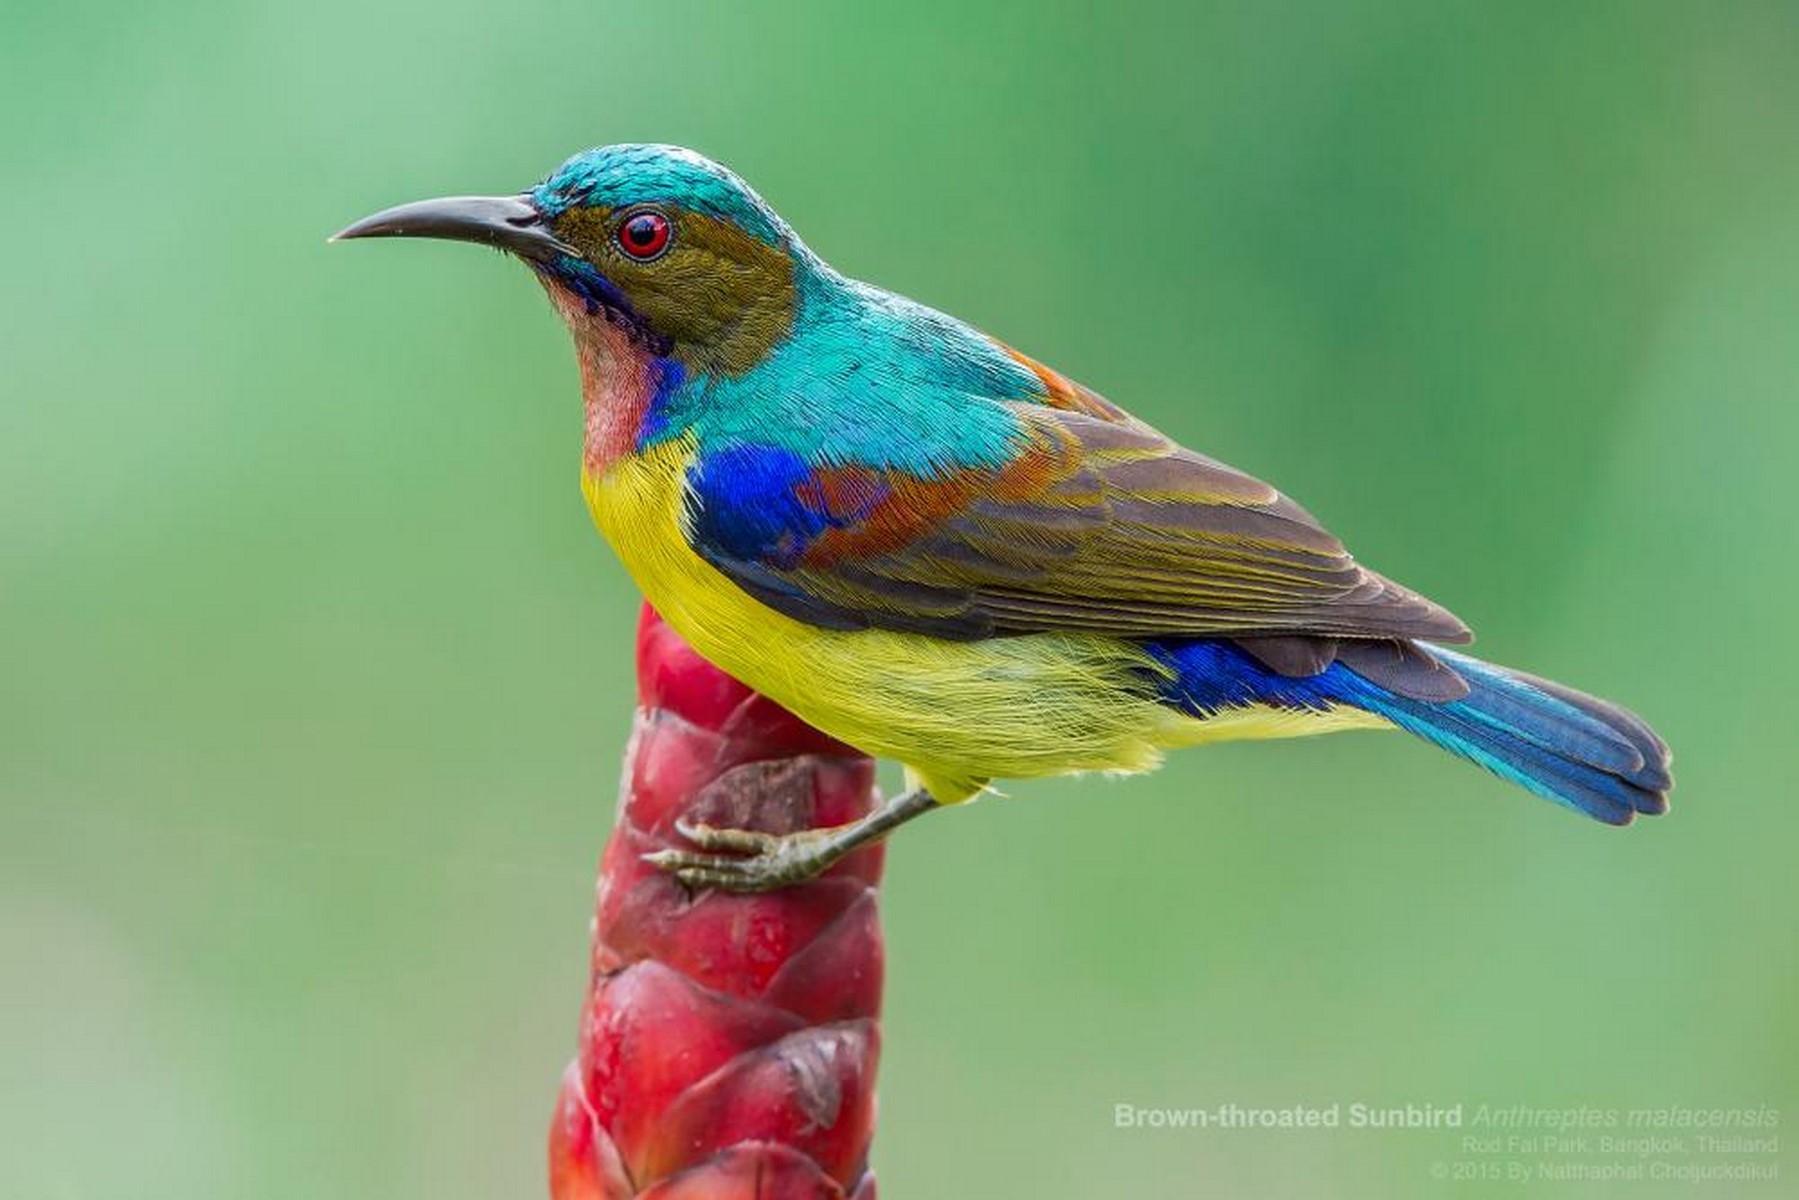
[{"x": 728, "y": 1043}]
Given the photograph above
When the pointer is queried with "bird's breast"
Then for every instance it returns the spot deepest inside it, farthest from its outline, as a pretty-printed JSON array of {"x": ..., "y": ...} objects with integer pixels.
[{"x": 637, "y": 500}]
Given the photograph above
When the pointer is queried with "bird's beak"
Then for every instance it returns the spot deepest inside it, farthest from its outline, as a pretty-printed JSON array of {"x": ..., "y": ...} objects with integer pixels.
[{"x": 509, "y": 223}]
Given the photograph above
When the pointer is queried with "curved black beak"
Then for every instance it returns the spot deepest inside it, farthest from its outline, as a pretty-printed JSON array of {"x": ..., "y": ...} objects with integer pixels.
[{"x": 509, "y": 223}]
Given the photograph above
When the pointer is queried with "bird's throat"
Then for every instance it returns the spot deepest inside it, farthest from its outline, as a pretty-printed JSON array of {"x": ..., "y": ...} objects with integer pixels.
[{"x": 621, "y": 379}]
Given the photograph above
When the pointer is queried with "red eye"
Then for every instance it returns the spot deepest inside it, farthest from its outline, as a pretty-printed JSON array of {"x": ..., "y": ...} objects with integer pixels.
[{"x": 644, "y": 235}]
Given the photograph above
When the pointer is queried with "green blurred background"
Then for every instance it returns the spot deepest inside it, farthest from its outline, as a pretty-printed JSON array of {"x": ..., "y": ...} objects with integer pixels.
[{"x": 317, "y": 678}]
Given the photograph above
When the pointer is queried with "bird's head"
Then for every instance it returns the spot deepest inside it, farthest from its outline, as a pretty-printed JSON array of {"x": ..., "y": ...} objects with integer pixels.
[{"x": 656, "y": 240}]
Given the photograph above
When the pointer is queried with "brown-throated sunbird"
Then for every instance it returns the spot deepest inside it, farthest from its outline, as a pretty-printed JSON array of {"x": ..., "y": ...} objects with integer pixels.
[{"x": 939, "y": 550}]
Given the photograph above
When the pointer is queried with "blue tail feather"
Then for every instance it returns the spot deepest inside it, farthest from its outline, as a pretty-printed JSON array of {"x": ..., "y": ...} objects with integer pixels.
[
  {"x": 1538, "y": 740},
  {"x": 1579, "y": 751}
]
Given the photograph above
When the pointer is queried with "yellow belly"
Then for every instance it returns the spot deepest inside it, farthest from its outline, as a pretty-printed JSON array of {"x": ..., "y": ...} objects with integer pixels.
[{"x": 957, "y": 714}]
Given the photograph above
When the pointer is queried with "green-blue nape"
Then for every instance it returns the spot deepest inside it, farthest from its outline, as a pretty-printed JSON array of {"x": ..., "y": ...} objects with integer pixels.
[{"x": 808, "y": 397}]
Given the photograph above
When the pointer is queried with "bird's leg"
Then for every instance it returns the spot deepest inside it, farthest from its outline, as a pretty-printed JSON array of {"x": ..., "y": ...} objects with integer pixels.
[{"x": 763, "y": 862}]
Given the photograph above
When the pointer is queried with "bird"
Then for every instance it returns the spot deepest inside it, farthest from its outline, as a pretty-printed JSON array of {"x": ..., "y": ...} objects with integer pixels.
[{"x": 939, "y": 550}]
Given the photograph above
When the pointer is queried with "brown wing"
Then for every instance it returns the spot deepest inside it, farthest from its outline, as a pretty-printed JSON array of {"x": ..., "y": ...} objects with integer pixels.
[{"x": 1097, "y": 524}]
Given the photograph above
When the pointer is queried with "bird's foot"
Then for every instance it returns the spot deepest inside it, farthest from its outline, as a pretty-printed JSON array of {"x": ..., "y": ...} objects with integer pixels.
[{"x": 744, "y": 860}]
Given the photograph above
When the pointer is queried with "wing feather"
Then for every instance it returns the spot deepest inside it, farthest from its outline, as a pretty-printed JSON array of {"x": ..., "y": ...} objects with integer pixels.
[{"x": 1097, "y": 523}]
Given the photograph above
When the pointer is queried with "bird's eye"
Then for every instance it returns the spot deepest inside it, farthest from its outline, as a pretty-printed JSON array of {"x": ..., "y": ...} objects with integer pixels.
[{"x": 644, "y": 235}]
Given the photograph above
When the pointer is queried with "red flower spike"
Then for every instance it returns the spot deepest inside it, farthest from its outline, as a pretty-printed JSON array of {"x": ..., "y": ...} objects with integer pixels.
[{"x": 728, "y": 1043}]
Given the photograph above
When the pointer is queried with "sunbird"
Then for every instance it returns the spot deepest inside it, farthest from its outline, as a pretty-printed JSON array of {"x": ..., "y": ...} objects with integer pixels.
[{"x": 941, "y": 551}]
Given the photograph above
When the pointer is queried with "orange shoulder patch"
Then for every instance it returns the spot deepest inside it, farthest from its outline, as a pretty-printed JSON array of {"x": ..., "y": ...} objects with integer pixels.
[
  {"x": 1059, "y": 391},
  {"x": 874, "y": 512}
]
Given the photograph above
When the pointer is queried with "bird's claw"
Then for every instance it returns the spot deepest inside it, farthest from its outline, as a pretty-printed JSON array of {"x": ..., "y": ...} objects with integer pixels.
[
  {"x": 751, "y": 861},
  {"x": 733, "y": 841}
]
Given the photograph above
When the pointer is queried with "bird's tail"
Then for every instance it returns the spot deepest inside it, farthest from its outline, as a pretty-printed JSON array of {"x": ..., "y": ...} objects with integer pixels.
[{"x": 1564, "y": 745}]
